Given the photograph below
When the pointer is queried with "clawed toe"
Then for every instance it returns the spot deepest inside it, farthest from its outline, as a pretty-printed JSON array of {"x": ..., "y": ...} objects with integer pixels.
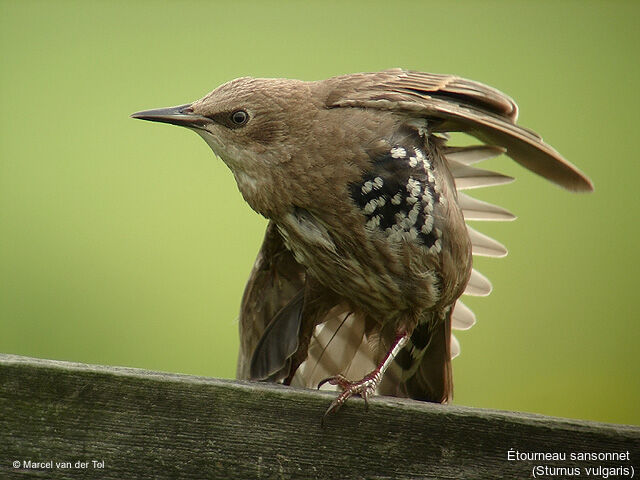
[
  {"x": 339, "y": 380},
  {"x": 364, "y": 388},
  {"x": 367, "y": 385}
]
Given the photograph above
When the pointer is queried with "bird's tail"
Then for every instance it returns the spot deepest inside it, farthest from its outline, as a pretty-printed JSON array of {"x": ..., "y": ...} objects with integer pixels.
[
  {"x": 433, "y": 380},
  {"x": 341, "y": 344}
]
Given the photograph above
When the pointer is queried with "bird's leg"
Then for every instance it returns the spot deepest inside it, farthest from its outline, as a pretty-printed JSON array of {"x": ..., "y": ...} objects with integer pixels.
[{"x": 368, "y": 384}]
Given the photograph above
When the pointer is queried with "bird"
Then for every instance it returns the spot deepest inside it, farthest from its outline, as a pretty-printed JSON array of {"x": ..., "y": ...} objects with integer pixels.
[{"x": 367, "y": 250}]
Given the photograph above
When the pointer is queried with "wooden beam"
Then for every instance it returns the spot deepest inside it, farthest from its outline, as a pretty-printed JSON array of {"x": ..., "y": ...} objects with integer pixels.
[{"x": 126, "y": 423}]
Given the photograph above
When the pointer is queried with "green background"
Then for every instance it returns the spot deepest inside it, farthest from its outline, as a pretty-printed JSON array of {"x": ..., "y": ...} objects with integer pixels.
[{"x": 126, "y": 243}]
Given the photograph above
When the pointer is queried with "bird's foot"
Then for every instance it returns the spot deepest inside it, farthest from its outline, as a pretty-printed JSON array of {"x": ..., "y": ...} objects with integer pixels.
[{"x": 364, "y": 387}]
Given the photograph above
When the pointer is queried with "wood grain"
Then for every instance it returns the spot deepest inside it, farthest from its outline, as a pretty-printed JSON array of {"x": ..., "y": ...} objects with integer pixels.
[{"x": 145, "y": 424}]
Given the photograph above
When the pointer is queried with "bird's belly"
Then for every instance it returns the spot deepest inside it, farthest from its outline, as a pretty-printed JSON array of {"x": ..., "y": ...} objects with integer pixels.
[{"x": 380, "y": 275}]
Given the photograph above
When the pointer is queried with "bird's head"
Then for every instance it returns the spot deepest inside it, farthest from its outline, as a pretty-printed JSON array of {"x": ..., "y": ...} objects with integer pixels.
[{"x": 247, "y": 123}]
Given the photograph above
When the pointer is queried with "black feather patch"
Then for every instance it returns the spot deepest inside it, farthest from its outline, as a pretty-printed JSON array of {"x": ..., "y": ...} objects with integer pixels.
[
  {"x": 420, "y": 336},
  {"x": 398, "y": 194}
]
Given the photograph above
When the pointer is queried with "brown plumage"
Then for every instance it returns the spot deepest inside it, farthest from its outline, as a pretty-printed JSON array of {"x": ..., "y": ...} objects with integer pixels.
[{"x": 367, "y": 251}]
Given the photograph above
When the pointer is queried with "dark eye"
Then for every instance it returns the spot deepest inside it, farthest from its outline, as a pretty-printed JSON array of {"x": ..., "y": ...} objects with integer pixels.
[{"x": 239, "y": 117}]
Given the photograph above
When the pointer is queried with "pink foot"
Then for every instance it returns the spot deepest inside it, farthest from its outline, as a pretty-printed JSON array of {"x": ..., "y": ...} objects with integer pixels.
[{"x": 365, "y": 387}]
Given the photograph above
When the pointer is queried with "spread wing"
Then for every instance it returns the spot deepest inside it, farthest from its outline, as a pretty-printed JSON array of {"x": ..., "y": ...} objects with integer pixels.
[
  {"x": 450, "y": 104},
  {"x": 338, "y": 340},
  {"x": 273, "y": 291},
  {"x": 280, "y": 309}
]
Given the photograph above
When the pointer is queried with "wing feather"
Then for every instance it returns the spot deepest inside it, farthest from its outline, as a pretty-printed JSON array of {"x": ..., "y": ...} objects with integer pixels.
[
  {"x": 478, "y": 285},
  {"x": 276, "y": 278},
  {"x": 462, "y": 317},
  {"x": 456, "y": 104},
  {"x": 474, "y": 209},
  {"x": 472, "y": 154},
  {"x": 485, "y": 246},
  {"x": 471, "y": 177}
]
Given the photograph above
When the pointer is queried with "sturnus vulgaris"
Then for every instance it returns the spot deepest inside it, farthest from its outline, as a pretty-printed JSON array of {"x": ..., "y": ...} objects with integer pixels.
[{"x": 367, "y": 252}]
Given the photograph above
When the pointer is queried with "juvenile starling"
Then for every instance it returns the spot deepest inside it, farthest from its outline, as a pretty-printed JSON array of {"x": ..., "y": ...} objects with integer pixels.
[{"x": 366, "y": 254}]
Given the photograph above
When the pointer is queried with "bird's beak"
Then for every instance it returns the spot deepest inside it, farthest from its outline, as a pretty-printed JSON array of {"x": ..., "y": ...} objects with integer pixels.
[{"x": 182, "y": 115}]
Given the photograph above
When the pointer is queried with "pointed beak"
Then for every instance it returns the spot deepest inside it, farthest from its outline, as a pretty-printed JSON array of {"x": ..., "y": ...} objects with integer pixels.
[{"x": 182, "y": 115}]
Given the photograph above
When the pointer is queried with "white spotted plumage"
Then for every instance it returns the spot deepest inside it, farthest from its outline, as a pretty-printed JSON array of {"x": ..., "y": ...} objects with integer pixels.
[
  {"x": 398, "y": 152},
  {"x": 400, "y": 202},
  {"x": 428, "y": 225},
  {"x": 374, "y": 222},
  {"x": 413, "y": 187},
  {"x": 370, "y": 207}
]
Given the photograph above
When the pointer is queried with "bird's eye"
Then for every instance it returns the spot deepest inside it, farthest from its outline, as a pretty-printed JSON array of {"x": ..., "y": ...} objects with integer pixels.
[{"x": 239, "y": 117}]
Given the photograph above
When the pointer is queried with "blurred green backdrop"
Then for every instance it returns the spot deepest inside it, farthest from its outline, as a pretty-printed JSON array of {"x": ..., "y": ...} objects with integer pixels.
[{"x": 127, "y": 243}]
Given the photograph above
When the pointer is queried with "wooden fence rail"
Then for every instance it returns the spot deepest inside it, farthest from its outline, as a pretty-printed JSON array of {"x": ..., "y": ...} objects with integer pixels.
[{"x": 61, "y": 420}]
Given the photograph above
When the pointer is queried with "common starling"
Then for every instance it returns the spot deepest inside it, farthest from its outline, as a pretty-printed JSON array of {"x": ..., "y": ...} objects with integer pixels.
[{"x": 366, "y": 253}]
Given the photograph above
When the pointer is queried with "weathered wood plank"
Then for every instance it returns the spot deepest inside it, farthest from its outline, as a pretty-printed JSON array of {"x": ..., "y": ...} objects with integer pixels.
[{"x": 152, "y": 425}]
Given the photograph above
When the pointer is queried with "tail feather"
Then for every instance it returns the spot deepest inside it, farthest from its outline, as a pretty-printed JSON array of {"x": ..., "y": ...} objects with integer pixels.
[
  {"x": 433, "y": 381},
  {"x": 338, "y": 345}
]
